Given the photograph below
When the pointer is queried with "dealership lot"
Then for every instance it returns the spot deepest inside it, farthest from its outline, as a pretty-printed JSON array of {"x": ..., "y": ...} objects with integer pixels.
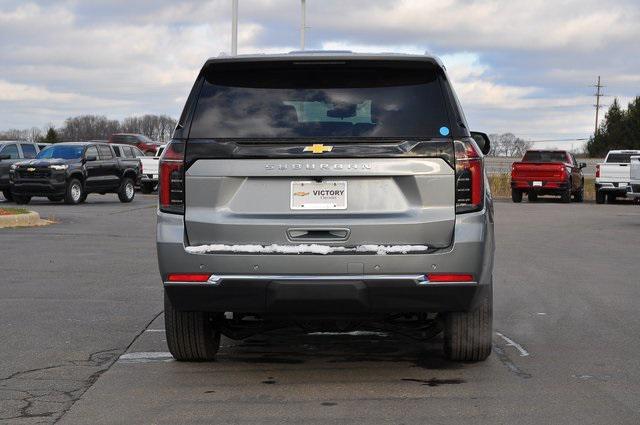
[{"x": 83, "y": 342}]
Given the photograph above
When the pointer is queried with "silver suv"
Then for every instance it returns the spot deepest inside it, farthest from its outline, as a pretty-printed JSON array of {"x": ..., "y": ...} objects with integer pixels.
[{"x": 325, "y": 189}]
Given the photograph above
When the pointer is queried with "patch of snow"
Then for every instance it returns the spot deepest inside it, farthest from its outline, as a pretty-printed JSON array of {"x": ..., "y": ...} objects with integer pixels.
[
  {"x": 352, "y": 333},
  {"x": 304, "y": 249}
]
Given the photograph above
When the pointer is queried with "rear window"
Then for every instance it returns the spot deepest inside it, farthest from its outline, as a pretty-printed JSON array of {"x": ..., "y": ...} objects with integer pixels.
[
  {"x": 288, "y": 101},
  {"x": 545, "y": 156},
  {"x": 621, "y": 158}
]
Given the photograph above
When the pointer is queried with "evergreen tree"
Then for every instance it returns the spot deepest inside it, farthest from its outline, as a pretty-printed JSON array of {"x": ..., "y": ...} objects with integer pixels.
[
  {"x": 620, "y": 130},
  {"x": 52, "y": 136}
]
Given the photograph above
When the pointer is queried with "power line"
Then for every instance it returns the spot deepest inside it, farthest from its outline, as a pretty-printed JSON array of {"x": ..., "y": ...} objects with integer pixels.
[{"x": 598, "y": 95}]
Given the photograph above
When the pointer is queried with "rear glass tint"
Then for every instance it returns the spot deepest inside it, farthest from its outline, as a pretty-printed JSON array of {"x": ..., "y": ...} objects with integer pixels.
[
  {"x": 544, "y": 156},
  {"x": 315, "y": 101},
  {"x": 621, "y": 158}
]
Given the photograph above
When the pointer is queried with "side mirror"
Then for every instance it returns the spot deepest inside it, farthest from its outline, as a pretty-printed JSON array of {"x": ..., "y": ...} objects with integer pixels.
[
  {"x": 482, "y": 140},
  {"x": 583, "y": 165},
  {"x": 2, "y": 157},
  {"x": 91, "y": 158}
]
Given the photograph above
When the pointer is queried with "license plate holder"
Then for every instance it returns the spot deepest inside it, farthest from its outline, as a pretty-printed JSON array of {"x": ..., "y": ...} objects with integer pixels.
[
  {"x": 324, "y": 195},
  {"x": 537, "y": 184}
]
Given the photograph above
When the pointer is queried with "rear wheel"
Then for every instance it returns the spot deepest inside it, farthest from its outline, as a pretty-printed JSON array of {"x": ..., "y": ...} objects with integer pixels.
[
  {"x": 532, "y": 196},
  {"x": 146, "y": 187},
  {"x": 74, "y": 193},
  {"x": 21, "y": 200},
  {"x": 467, "y": 335},
  {"x": 565, "y": 197},
  {"x": 7, "y": 195},
  {"x": 579, "y": 195},
  {"x": 599, "y": 197},
  {"x": 192, "y": 336},
  {"x": 516, "y": 195},
  {"x": 611, "y": 198},
  {"x": 127, "y": 190}
]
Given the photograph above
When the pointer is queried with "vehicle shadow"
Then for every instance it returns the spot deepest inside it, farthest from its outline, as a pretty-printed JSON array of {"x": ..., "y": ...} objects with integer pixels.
[{"x": 294, "y": 346}]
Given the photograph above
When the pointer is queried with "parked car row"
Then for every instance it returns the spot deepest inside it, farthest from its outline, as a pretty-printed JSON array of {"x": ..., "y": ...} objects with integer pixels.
[
  {"x": 69, "y": 171},
  {"x": 557, "y": 172}
]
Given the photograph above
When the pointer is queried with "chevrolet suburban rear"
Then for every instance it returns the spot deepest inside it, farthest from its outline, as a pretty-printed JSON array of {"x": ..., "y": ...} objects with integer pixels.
[{"x": 324, "y": 188}]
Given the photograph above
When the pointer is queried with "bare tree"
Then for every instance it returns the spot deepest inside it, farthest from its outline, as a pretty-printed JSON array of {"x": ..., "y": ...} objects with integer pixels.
[
  {"x": 92, "y": 127},
  {"x": 507, "y": 144}
]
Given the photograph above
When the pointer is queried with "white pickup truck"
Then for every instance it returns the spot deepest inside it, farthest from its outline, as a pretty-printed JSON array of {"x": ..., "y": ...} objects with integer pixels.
[
  {"x": 149, "y": 171},
  {"x": 633, "y": 191},
  {"x": 613, "y": 175}
]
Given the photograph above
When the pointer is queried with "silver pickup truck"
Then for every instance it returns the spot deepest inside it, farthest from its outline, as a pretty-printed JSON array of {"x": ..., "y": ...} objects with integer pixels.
[
  {"x": 633, "y": 191},
  {"x": 328, "y": 190}
]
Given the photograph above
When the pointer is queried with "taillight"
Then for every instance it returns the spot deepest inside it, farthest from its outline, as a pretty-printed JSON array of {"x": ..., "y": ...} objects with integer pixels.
[
  {"x": 449, "y": 277},
  {"x": 469, "y": 177},
  {"x": 171, "y": 170},
  {"x": 188, "y": 277},
  {"x": 598, "y": 170}
]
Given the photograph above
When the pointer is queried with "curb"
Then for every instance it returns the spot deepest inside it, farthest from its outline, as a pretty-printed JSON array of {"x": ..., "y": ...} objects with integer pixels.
[{"x": 32, "y": 218}]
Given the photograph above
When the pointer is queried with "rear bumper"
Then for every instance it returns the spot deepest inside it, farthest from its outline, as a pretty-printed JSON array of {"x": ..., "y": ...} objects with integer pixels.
[
  {"x": 633, "y": 190},
  {"x": 337, "y": 296},
  {"x": 330, "y": 284},
  {"x": 613, "y": 187},
  {"x": 149, "y": 178},
  {"x": 544, "y": 186}
]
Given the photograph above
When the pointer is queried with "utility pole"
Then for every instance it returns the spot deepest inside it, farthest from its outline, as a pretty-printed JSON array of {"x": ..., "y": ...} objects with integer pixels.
[
  {"x": 234, "y": 27},
  {"x": 598, "y": 95},
  {"x": 303, "y": 23}
]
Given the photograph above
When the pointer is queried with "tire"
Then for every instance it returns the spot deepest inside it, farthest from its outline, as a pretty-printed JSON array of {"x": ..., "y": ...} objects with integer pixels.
[
  {"x": 611, "y": 198},
  {"x": 74, "y": 193},
  {"x": 467, "y": 335},
  {"x": 127, "y": 190},
  {"x": 146, "y": 187},
  {"x": 532, "y": 196},
  {"x": 516, "y": 195},
  {"x": 599, "y": 197},
  {"x": 192, "y": 336},
  {"x": 579, "y": 195},
  {"x": 21, "y": 200},
  {"x": 7, "y": 195},
  {"x": 565, "y": 197},
  {"x": 55, "y": 198}
]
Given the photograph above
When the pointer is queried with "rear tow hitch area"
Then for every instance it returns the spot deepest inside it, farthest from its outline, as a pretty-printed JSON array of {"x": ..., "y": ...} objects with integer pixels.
[{"x": 419, "y": 326}]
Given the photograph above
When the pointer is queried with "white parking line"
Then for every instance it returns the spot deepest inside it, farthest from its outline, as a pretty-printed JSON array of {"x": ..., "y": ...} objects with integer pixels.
[
  {"x": 512, "y": 343},
  {"x": 154, "y": 330}
]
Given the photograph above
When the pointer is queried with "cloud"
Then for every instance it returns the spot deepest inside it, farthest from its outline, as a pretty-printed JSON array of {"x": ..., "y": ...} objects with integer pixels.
[{"x": 517, "y": 65}]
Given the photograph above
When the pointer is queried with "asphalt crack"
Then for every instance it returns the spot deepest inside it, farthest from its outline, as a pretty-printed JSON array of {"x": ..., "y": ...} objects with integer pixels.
[{"x": 48, "y": 392}]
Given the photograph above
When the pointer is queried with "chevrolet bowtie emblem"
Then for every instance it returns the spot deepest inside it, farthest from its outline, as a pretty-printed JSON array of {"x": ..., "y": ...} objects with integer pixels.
[
  {"x": 31, "y": 169},
  {"x": 315, "y": 148}
]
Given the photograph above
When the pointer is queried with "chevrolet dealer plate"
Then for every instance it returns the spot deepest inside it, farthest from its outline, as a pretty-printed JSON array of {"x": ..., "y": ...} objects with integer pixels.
[{"x": 311, "y": 195}]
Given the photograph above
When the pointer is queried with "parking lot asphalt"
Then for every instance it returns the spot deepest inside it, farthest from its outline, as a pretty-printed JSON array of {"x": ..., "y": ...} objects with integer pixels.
[{"x": 83, "y": 342}]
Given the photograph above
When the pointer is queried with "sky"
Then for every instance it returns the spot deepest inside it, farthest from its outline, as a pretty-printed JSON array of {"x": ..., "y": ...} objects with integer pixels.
[{"x": 525, "y": 67}]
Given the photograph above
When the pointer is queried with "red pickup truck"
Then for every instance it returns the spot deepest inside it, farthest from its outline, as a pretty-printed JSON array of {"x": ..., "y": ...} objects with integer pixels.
[{"x": 547, "y": 172}]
